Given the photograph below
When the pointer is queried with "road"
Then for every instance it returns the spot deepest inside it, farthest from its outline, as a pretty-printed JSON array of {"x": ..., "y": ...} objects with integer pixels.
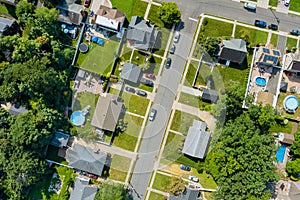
[
  {"x": 155, "y": 130},
  {"x": 234, "y": 10}
]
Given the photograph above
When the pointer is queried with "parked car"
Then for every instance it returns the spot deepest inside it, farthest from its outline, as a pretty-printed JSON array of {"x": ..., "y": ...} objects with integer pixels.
[
  {"x": 92, "y": 176},
  {"x": 168, "y": 63},
  {"x": 295, "y": 32},
  {"x": 141, "y": 93},
  {"x": 194, "y": 178},
  {"x": 87, "y": 3},
  {"x": 273, "y": 27},
  {"x": 250, "y": 6},
  {"x": 146, "y": 82},
  {"x": 151, "y": 76},
  {"x": 152, "y": 114},
  {"x": 185, "y": 167},
  {"x": 130, "y": 89},
  {"x": 260, "y": 23},
  {"x": 176, "y": 37},
  {"x": 172, "y": 49},
  {"x": 286, "y": 3}
]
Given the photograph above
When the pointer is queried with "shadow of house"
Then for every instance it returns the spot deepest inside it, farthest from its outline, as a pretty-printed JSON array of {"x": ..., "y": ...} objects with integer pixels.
[
  {"x": 85, "y": 159},
  {"x": 131, "y": 74},
  {"x": 190, "y": 193},
  {"x": 141, "y": 34},
  {"x": 234, "y": 50},
  {"x": 8, "y": 26},
  {"x": 210, "y": 96},
  {"x": 70, "y": 12},
  {"x": 83, "y": 190}
]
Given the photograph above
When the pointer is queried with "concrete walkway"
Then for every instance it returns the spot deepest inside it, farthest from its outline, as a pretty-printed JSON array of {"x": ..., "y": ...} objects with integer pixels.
[{"x": 190, "y": 90}]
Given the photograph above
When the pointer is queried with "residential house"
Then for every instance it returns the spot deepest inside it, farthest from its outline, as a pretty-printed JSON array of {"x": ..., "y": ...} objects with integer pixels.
[
  {"x": 86, "y": 159},
  {"x": 16, "y": 109},
  {"x": 210, "y": 96},
  {"x": 107, "y": 112},
  {"x": 141, "y": 34},
  {"x": 70, "y": 12},
  {"x": 197, "y": 140},
  {"x": 286, "y": 138},
  {"x": 234, "y": 51},
  {"x": 291, "y": 67},
  {"x": 190, "y": 193},
  {"x": 11, "y": 2},
  {"x": 8, "y": 26},
  {"x": 131, "y": 73},
  {"x": 109, "y": 19},
  {"x": 60, "y": 139},
  {"x": 293, "y": 192},
  {"x": 83, "y": 190}
]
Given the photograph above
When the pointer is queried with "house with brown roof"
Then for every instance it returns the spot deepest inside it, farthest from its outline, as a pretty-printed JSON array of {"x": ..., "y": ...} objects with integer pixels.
[{"x": 70, "y": 12}]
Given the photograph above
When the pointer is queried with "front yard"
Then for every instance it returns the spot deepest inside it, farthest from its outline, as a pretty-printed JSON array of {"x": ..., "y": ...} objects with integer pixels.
[
  {"x": 182, "y": 121},
  {"x": 119, "y": 168},
  {"x": 250, "y": 35},
  {"x": 295, "y": 5},
  {"x": 194, "y": 101},
  {"x": 291, "y": 43},
  {"x": 130, "y": 7}
]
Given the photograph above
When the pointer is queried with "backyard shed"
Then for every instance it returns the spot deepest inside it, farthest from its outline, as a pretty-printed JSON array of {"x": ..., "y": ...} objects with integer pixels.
[{"x": 283, "y": 86}]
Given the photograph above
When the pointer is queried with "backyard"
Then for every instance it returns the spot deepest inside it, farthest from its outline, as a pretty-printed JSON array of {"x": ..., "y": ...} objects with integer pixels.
[
  {"x": 119, "y": 168},
  {"x": 98, "y": 59},
  {"x": 279, "y": 105},
  {"x": 286, "y": 128},
  {"x": 128, "y": 139}
]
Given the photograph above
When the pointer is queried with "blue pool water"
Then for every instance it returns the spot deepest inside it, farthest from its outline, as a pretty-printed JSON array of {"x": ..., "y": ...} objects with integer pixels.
[
  {"x": 77, "y": 118},
  {"x": 280, "y": 153},
  {"x": 260, "y": 81},
  {"x": 291, "y": 103}
]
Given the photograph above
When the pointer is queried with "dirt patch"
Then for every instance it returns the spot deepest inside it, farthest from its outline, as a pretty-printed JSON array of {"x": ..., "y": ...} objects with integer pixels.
[
  {"x": 295, "y": 128},
  {"x": 175, "y": 169}
]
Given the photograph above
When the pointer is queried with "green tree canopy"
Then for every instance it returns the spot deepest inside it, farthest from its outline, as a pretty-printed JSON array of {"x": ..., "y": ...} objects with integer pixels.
[
  {"x": 169, "y": 13},
  {"x": 111, "y": 192}
]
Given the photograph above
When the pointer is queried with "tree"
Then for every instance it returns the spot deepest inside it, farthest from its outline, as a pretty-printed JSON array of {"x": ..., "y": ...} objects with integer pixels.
[
  {"x": 293, "y": 168},
  {"x": 169, "y": 13},
  {"x": 111, "y": 192},
  {"x": 295, "y": 148},
  {"x": 24, "y": 12}
]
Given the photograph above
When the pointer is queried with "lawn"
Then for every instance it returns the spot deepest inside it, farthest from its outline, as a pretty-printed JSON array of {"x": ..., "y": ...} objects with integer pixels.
[
  {"x": 274, "y": 40},
  {"x": 295, "y": 5},
  {"x": 153, "y": 16},
  {"x": 99, "y": 59},
  {"x": 83, "y": 99},
  {"x": 8, "y": 9},
  {"x": 194, "y": 101},
  {"x": 127, "y": 140},
  {"x": 280, "y": 100},
  {"x": 130, "y": 7},
  {"x": 182, "y": 121},
  {"x": 155, "y": 196},
  {"x": 154, "y": 66},
  {"x": 173, "y": 147},
  {"x": 275, "y": 128},
  {"x": 138, "y": 58},
  {"x": 273, "y": 3},
  {"x": 119, "y": 168},
  {"x": 161, "y": 41},
  {"x": 215, "y": 28},
  {"x": 291, "y": 43},
  {"x": 162, "y": 182},
  {"x": 252, "y": 36},
  {"x": 133, "y": 103},
  {"x": 204, "y": 72}
]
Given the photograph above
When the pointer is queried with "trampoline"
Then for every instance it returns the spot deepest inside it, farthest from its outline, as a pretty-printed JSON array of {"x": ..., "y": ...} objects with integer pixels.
[
  {"x": 83, "y": 48},
  {"x": 260, "y": 81},
  {"x": 291, "y": 103},
  {"x": 77, "y": 118}
]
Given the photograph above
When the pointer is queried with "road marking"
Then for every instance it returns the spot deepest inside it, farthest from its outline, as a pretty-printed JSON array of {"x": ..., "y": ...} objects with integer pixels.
[{"x": 193, "y": 19}]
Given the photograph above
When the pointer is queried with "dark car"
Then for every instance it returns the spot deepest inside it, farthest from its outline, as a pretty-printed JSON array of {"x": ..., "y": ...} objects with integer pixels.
[
  {"x": 129, "y": 89},
  {"x": 172, "y": 49},
  {"x": 168, "y": 63},
  {"x": 273, "y": 27},
  {"x": 146, "y": 82},
  {"x": 141, "y": 93},
  {"x": 295, "y": 32},
  {"x": 87, "y": 3},
  {"x": 184, "y": 167},
  {"x": 260, "y": 23}
]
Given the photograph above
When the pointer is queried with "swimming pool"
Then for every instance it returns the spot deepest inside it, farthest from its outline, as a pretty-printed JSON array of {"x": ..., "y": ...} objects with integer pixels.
[
  {"x": 291, "y": 103},
  {"x": 77, "y": 118},
  {"x": 280, "y": 153},
  {"x": 260, "y": 81}
]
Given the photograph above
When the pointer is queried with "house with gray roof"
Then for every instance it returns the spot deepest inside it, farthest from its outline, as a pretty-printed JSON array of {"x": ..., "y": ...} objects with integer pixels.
[
  {"x": 86, "y": 159},
  {"x": 197, "y": 140},
  {"x": 234, "y": 50},
  {"x": 16, "y": 109},
  {"x": 60, "y": 139},
  {"x": 83, "y": 190},
  {"x": 70, "y": 12},
  {"x": 131, "y": 73},
  {"x": 209, "y": 95},
  {"x": 190, "y": 193},
  {"x": 107, "y": 112},
  {"x": 5, "y": 25},
  {"x": 141, "y": 34}
]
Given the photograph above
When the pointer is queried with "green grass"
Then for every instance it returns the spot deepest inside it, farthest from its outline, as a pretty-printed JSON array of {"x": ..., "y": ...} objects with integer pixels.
[
  {"x": 274, "y": 40},
  {"x": 280, "y": 100},
  {"x": 173, "y": 147},
  {"x": 162, "y": 182},
  {"x": 133, "y": 103},
  {"x": 119, "y": 168},
  {"x": 291, "y": 43},
  {"x": 182, "y": 121},
  {"x": 155, "y": 196},
  {"x": 215, "y": 28},
  {"x": 8, "y": 9},
  {"x": 127, "y": 140},
  {"x": 252, "y": 36},
  {"x": 99, "y": 59},
  {"x": 273, "y": 3},
  {"x": 161, "y": 41},
  {"x": 295, "y": 5},
  {"x": 194, "y": 101},
  {"x": 153, "y": 16},
  {"x": 146, "y": 87},
  {"x": 275, "y": 128},
  {"x": 130, "y": 7},
  {"x": 204, "y": 72},
  {"x": 207, "y": 181},
  {"x": 138, "y": 58}
]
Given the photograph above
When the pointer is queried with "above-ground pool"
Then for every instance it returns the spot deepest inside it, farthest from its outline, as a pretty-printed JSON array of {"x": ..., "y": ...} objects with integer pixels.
[
  {"x": 291, "y": 103},
  {"x": 260, "y": 81},
  {"x": 77, "y": 118},
  {"x": 280, "y": 153}
]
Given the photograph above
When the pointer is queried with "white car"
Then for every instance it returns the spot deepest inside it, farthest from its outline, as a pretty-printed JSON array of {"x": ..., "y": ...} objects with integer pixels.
[
  {"x": 250, "y": 6},
  {"x": 176, "y": 37},
  {"x": 152, "y": 114},
  {"x": 194, "y": 178}
]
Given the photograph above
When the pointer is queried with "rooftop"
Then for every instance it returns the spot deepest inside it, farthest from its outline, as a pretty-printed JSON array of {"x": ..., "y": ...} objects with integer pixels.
[
  {"x": 5, "y": 23},
  {"x": 83, "y": 190},
  {"x": 60, "y": 139},
  {"x": 131, "y": 72}
]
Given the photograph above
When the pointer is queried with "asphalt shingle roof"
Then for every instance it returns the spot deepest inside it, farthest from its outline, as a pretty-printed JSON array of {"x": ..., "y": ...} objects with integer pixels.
[
  {"x": 82, "y": 190},
  {"x": 131, "y": 72}
]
